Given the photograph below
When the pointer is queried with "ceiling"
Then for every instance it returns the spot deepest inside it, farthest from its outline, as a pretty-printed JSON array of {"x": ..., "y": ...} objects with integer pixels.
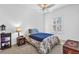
[
  {"x": 52, "y": 8},
  {"x": 25, "y": 9}
]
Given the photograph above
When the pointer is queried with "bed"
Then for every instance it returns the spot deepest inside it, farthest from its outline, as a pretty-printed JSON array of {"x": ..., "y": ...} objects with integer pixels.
[{"x": 43, "y": 42}]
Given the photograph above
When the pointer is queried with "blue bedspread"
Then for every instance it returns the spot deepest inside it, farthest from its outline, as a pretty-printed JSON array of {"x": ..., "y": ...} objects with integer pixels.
[{"x": 39, "y": 36}]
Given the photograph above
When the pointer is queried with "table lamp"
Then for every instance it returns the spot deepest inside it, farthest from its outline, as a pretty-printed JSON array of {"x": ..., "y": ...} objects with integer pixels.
[{"x": 18, "y": 29}]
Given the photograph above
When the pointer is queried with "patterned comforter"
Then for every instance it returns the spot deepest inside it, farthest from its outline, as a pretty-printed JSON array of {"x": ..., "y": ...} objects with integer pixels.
[{"x": 46, "y": 45}]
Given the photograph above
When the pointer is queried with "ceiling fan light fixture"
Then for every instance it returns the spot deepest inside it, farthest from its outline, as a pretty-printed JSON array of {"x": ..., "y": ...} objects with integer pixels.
[{"x": 43, "y": 6}]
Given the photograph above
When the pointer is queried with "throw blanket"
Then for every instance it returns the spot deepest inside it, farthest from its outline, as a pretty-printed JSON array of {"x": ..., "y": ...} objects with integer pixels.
[{"x": 40, "y": 36}]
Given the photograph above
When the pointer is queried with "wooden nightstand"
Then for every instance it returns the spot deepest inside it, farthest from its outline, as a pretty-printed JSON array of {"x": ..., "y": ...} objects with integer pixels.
[
  {"x": 21, "y": 40},
  {"x": 71, "y": 47}
]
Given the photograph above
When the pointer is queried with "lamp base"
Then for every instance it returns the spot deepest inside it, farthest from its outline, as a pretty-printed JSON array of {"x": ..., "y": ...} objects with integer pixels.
[{"x": 18, "y": 34}]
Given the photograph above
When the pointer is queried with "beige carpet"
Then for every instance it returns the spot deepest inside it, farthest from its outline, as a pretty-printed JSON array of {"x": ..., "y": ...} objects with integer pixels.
[{"x": 29, "y": 49}]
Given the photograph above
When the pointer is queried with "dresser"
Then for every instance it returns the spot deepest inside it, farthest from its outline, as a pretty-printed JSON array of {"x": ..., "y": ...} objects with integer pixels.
[{"x": 71, "y": 47}]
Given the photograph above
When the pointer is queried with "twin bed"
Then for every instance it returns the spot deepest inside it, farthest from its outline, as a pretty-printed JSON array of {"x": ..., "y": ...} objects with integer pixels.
[{"x": 43, "y": 42}]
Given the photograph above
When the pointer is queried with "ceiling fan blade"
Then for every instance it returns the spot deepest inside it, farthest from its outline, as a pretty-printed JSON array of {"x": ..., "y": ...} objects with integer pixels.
[{"x": 51, "y": 5}]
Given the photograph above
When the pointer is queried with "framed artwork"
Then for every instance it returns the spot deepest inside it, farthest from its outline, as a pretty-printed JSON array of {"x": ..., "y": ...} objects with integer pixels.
[{"x": 57, "y": 24}]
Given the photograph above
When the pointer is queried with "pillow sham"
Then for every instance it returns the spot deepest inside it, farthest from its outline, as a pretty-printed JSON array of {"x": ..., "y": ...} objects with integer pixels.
[{"x": 33, "y": 31}]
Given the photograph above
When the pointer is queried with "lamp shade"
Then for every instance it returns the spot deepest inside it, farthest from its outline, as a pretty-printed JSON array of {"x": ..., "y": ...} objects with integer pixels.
[{"x": 18, "y": 29}]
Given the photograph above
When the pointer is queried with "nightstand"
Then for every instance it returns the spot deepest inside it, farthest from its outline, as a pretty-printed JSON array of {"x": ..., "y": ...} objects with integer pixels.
[{"x": 21, "y": 40}]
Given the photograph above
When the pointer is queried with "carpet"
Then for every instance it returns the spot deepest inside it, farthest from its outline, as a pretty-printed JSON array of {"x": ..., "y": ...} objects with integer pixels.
[{"x": 29, "y": 49}]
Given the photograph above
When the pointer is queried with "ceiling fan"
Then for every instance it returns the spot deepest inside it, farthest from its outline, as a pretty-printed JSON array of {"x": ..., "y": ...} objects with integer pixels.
[{"x": 45, "y": 7}]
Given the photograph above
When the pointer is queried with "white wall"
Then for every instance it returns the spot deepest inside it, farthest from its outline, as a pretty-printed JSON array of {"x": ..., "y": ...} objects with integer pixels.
[
  {"x": 70, "y": 21},
  {"x": 23, "y": 15},
  {"x": 27, "y": 17}
]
